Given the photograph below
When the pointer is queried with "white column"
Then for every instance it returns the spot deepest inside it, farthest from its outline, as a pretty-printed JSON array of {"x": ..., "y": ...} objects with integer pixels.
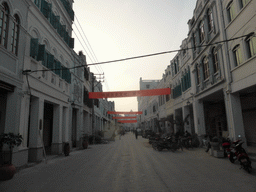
[
  {"x": 198, "y": 109},
  {"x": 56, "y": 147},
  {"x": 234, "y": 116},
  {"x": 35, "y": 142}
]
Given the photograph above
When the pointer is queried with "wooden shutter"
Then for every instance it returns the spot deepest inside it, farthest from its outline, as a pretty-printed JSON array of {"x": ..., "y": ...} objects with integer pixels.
[
  {"x": 34, "y": 47},
  {"x": 50, "y": 61},
  {"x": 58, "y": 66},
  {"x": 71, "y": 43},
  {"x": 41, "y": 53}
]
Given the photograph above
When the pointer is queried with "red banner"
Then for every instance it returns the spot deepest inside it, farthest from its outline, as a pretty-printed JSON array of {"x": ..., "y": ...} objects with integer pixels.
[
  {"x": 132, "y": 117},
  {"x": 126, "y": 113},
  {"x": 127, "y": 121},
  {"x": 140, "y": 93}
]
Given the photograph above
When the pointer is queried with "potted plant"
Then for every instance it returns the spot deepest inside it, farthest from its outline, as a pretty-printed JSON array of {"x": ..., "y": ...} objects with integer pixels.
[{"x": 7, "y": 170}]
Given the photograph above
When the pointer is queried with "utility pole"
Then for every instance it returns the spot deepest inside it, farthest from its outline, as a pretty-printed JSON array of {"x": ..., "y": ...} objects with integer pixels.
[{"x": 93, "y": 113}]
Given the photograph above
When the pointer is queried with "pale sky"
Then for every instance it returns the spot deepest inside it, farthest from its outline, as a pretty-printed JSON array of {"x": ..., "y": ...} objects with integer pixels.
[{"x": 118, "y": 29}]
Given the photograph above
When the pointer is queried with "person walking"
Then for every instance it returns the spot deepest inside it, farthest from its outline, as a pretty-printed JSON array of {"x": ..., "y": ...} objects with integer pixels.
[{"x": 136, "y": 134}]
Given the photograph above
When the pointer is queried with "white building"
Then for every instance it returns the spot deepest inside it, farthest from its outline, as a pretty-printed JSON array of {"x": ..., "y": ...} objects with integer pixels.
[{"x": 13, "y": 32}]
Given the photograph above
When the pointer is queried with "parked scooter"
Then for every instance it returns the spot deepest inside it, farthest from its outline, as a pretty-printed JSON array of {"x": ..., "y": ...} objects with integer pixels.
[
  {"x": 235, "y": 151},
  {"x": 165, "y": 143}
]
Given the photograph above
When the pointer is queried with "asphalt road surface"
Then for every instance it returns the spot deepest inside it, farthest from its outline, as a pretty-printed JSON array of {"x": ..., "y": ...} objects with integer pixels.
[{"x": 132, "y": 165}]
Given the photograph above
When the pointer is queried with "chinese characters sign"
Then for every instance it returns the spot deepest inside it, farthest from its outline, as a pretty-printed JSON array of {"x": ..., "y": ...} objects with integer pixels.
[
  {"x": 126, "y": 113},
  {"x": 140, "y": 93},
  {"x": 131, "y": 117},
  {"x": 127, "y": 121}
]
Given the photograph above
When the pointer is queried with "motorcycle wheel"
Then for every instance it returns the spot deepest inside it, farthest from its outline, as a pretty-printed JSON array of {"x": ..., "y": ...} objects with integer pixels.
[
  {"x": 231, "y": 158},
  {"x": 154, "y": 145},
  {"x": 159, "y": 148}
]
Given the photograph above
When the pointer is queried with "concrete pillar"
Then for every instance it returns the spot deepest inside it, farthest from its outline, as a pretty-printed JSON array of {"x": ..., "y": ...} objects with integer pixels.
[
  {"x": 234, "y": 116},
  {"x": 65, "y": 124},
  {"x": 35, "y": 137},
  {"x": 56, "y": 147},
  {"x": 24, "y": 117},
  {"x": 199, "y": 121}
]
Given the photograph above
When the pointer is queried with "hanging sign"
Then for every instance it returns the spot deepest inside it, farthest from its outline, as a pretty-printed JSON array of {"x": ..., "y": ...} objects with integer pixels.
[
  {"x": 126, "y": 113},
  {"x": 132, "y": 117},
  {"x": 127, "y": 121},
  {"x": 140, "y": 93}
]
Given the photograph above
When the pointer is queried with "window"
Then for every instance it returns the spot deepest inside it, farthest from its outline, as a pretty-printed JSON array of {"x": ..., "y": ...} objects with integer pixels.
[
  {"x": 15, "y": 34},
  {"x": 194, "y": 41},
  {"x": 198, "y": 74},
  {"x": 237, "y": 55},
  {"x": 244, "y": 2},
  {"x": 201, "y": 31},
  {"x": 206, "y": 68},
  {"x": 147, "y": 86},
  {"x": 210, "y": 20},
  {"x": 4, "y": 20},
  {"x": 231, "y": 11},
  {"x": 251, "y": 44},
  {"x": 37, "y": 2},
  {"x": 215, "y": 60}
]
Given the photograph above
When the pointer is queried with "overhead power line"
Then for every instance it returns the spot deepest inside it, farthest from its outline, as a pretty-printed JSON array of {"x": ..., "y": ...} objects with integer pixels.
[{"x": 143, "y": 56}]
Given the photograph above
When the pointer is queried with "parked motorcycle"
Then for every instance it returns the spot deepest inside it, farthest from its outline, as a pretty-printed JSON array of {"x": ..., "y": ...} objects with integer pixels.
[
  {"x": 165, "y": 143},
  {"x": 235, "y": 151},
  {"x": 153, "y": 138}
]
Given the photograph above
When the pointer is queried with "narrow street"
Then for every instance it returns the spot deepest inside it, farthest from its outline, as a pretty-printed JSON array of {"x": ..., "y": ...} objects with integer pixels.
[{"x": 132, "y": 165}]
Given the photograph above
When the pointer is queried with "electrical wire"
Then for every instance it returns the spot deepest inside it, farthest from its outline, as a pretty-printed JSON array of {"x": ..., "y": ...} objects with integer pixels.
[{"x": 143, "y": 56}]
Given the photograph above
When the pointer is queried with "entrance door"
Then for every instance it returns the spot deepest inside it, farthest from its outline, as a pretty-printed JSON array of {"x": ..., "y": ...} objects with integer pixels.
[
  {"x": 48, "y": 127},
  {"x": 3, "y": 100}
]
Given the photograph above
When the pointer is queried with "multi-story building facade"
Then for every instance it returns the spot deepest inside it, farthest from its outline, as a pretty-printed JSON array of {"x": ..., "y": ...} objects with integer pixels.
[
  {"x": 212, "y": 76},
  {"x": 44, "y": 84},
  {"x": 13, "y": 34},
  {"x": 145, "y": 104},
  {"x": 239, "y": 20},
  {"x": 47, "y": 110}
]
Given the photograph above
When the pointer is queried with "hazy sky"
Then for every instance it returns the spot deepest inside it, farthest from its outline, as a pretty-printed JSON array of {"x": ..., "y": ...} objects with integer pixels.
[{"x": 118, "y": 29}]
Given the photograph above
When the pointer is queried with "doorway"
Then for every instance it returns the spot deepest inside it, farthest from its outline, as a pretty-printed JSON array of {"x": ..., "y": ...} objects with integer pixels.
[{"x": 48, "y": 127}]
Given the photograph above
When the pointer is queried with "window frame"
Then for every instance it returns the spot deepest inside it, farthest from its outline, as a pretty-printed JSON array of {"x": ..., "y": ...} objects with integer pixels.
[
  {"x": 201, "y": 31},
  {"x": 206, "y": 67},
  {"x": 198, "y": 74},
  {"x": 231, "y": 11},
  {"x": 237, "y": 52},
  {"x": 4, "y": 19},
  {"x": 15, "y": 34},
  {"x": 215, "y": 60},
  {"x": 251, "y": 44},
  {"x": 210, "y": 20}
]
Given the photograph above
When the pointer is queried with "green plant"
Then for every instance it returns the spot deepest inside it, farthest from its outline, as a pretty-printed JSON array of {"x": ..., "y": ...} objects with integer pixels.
[{"x": 11, "y": 140}]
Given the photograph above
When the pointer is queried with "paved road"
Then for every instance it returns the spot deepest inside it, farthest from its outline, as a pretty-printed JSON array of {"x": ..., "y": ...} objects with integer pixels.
[{"x": 132, "y": 165}]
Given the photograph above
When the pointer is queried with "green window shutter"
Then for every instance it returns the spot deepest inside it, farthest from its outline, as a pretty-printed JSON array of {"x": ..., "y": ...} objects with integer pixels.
[
  {"x": 34, "y": 47},
  {"x": 57, "y": 66},
  {"x": 63, "y": 30},
  {"x": 66, "y": 37},
  {"x": 45, "y": 8},
  {"x": 72, "y": 15},
  {"x": 50, "y": 61},
  {"x": 41, "y": 53},
  {"x": 58, "y": 24},
  {"x": 71, "y": 43},
  {"x": 68, "y": 76}
]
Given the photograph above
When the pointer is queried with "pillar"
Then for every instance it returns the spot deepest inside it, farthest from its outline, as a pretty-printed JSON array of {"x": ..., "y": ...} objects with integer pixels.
[{"x": 35, "y": 135}]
